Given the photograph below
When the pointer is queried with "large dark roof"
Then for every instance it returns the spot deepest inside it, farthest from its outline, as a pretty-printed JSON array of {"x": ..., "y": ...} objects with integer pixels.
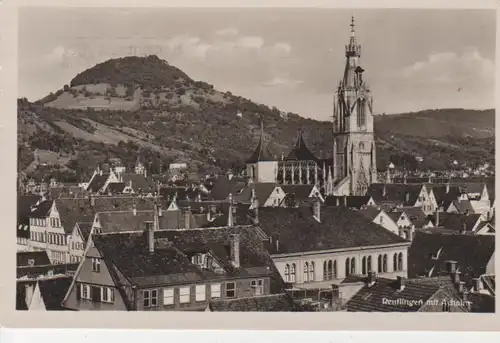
[
  {"x": 123, "y": 221},
  {"x": 374, "y": 298},
  {"x": 261, "y": 153},
  {"x": 262, "y": 192},
  {"x": 39, "y": 258},
  {"x": 340, "y": 227},
  {"x": 471, "y": 252},
  {"x": 139, "y": 182},
  {"x": 97, "y": 183},
  {"x": 406, "y": 194},
  {"x": 24, "y": 206},
  {"x": 52, "y": 291},
  {"x": 223, "y": 186},
  {"x": 458, "y": 222},
  {"x": 445, "y": 194},
  {"x": 300, "y": 151},
  {"x": 300, "y": 192},
  {"x": 42, "y": 210},
  {"x": 263, "y": 303}
]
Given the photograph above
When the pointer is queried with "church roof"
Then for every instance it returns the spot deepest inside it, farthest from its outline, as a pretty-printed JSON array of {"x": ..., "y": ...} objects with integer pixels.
[
  {"x": 300, "y": 151},
  {"x": 262, "y": 153}
]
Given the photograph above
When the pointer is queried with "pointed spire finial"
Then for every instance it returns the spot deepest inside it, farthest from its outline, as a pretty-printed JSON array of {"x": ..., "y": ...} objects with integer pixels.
[{"x": 352, "y": 24}]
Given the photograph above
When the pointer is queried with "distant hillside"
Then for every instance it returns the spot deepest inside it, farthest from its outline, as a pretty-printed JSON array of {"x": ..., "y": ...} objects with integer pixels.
[{"x": 142, "y": 105}]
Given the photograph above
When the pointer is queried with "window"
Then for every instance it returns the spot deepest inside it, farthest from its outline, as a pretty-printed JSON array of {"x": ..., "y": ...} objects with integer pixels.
[
  {"x": 258, "y": 287},
  {"x": 353, "y": 266},
  {"x": 292, "y": 272},
  {"x": 400, "y": 261},
  {"x": 184, "y": 295},
  {"x": 361, "y": 116},
  {"x": 31, "y": 262},
  {"x": 380, "y": 263},
  {"x": 311, "y": 272},
  {"x": 150, "y": 298},
  {"x": 215, "y": 291},
  {"x": 73, "y": 245},
  {"x": 201, "y": 292},
  {"x": 334, "y": 272},
  {"x": 347, "y": 266},
  {"x": 287, "y": 273},
  {"x": 230, "y": 290},
  {"x": 168, "y": 296},
  {"x": 446, "y": 306},
  {"x": 198, "y": 259},
  {"x": 306, "y": 272},
  {"x": 107, "y": 295},
  {"x": 364, "y": 266},
  {"x": 395, "y": 261},
  {"x": 369, "y": 263},
  {"x": 96, "y": 265},
  {"x": 384, "y": 265},
  {"x": 85, "y": 292}
]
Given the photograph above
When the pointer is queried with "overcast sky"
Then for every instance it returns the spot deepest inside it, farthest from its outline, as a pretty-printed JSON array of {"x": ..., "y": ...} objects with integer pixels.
[{"x": 288, "y": 58}]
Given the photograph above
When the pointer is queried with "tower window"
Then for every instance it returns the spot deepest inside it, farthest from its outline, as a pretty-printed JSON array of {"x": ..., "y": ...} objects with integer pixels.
[{"x": 361, "y": 117}]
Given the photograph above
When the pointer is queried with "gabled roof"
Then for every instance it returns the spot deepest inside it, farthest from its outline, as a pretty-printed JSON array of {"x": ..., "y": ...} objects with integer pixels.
[
  {"x": 97, "y": 183},
  {"x": 126, "y": 221},
  {"x": 52, "y": 292},
  {"x": 24, "y": 205},
  {"x": 300, "y": 151},
  {"x": 353, "y": 201},
  {"x": 370, "y": 212},
  {"x": 340, "y": 227},
  {"x": 261, "y": 153},
  {"x": 300, "y": 192},
  {"x": 263, "y": 191},
  {"x": 38, "y": 258},
  {"x": 445, "y": 194},
  {"x": 139, "y": 182},
  {"x": 42, "y": 210},
  {"x": 463, "y": 206},
  {"x": 405, "y": 194},
  {"x": 482, "y": 303},
  {"x": 223, "y": 186},
  {"x": 375, "y": 298},
  {"x": 85, "y": 229},
  {"x": 471, "y": 252},
  {"x": 458, "y": 222},
  {"x": 116, "y": 187},
  {"x": 262, "y": 303}
]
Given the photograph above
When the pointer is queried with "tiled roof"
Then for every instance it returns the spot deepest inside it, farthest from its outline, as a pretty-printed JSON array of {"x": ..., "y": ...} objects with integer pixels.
[
  {"x": 21, "y": 294},
  {"x": 56, "y": 192},
  {"x": 470, "y": 187},
  {"x": 39, "y": 258},
  {"x": 353, "y": 201},
  {"x": 300, "y": 192},
  {"x": 300, "y": 151},
  {"x": 370, "y": 212},
  {"x": 340, "y": 227},
  {"x": 263, "y": 303},
  {"x": 458, "y": 222},
  {"x": 85, "y": 229},
  {"x": 124, "y": 221},
  {"x": 416, "y": 216},
  {"x": 374, "y": 298},
  {"x": 223, "y": 186},
  {"x": 463, "y": 206},
  {"x": 139, "y": 182},
  {"x": 406, "y": 194},
  {"x": 262, "y": 191},
  {"x": 482, "y": 303},
  {"x": 472, "y": 253},
  {"x": 261, "y": 153},
  {"x": 394, "y": 215},
  {"x": 52, "y": 291},
  {"x": 24, "y": 206},
  {"x": 97, "y": 183},
  {"x": 42, "y": 210},
  {"x": 116, "y": 187},
  {"x": 73, "y": 210},
  {"x": 170, "y": 262},
  {"x": 445, "y": 194}
]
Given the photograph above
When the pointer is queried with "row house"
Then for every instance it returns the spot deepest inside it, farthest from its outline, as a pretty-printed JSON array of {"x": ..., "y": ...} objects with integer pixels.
[
  {"x": 315, "y": 246},
  {"x": 161, "y": 270}
]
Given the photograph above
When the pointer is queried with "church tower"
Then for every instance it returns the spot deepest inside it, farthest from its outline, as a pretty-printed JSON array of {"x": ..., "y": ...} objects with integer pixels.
[{"x": 354, "y": 161}]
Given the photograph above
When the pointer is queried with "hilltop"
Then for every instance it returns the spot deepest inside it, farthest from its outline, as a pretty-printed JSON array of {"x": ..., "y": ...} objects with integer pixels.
[{"x": 143, "y": 106}]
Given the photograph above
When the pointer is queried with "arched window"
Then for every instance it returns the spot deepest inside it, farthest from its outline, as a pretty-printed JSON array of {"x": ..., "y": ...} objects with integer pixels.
[
  {"x": 361, "y": 146},
  {"x": 287, "y": 273},
  {"x": 384, "y": 264},
  {"x": 353, "y": 266},
  {"x": 330, "y": 270},
  {"x": 363, "y": 266},
  {"x": 292, "y": 273},
  {"x": 306, "y": 272},
  {"x": 347, "y": 267},
  {"x": 325, "y": 271},
  {"x": 311, "y": 272},
  {"x": 445, "y": 307},
  {"x": 395, "y": 261},
  {"x": 369, "y": 263},
  {"x": 334, "y": 269},
  {"x": 400, "y": 261},
  {"x": 380, "y": 263}
]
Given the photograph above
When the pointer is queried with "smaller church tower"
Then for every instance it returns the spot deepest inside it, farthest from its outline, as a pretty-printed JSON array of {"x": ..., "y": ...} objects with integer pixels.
[{"x": 262, "y": 166}]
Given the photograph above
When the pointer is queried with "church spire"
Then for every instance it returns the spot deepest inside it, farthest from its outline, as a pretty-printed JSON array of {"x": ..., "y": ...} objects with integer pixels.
[
  {"x": 262, "y": 152},
  {"x": 353, "y": 49}
]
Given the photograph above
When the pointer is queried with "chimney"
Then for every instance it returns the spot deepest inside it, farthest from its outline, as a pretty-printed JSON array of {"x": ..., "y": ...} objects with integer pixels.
[
  {"x": 451, "y": 266},
  {"x": 477, "y": 284},
  {"x": 447, "y": 187},
  {"x": 461, "y": 287},
  {"x": 100, "y": 172},
  {"x": 437, "y": 217},
  {"x": 134, "y": 209},
  {"x": 235, "y": 250},
  {"x": 407, "y": 197},
  {"x": 337, "y": 202},
  {"x": 92, "y": 201},
  {"x": 256, "y": 215},
  {"x": 411, "y": 232},
  {"x": 29, "y": 289},
  {"x": 400, "y": 283},
  {"x": 345, "y": 200},
  {"x": 160, "y": 211},
  {"x": 464, "y": 227},
  {"x": 317, "y": 210},
  {"x": 465, "y": 296},
  {"x": 372, "y": 277},
  {"x": 156, "y": 219},
  {"x": 384, "y": 191},
  {"x": 230, "y": 219},
  {"x": 187, "y": 217},
  {"x": 130, "y": 183}
]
